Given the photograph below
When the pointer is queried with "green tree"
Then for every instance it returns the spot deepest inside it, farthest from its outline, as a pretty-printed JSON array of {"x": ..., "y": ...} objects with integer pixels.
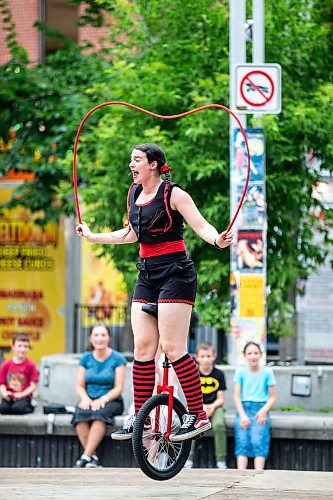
[
  {"x": 298, "y": 36},
  {"x": 170, "y": 56}
]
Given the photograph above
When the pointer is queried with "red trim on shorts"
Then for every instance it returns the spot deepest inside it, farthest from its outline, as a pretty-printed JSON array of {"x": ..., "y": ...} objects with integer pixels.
[
  {"x": 178, "y": 301},
  {"x": 153, "y": 249},
  {"x": 141, "y": 300}
]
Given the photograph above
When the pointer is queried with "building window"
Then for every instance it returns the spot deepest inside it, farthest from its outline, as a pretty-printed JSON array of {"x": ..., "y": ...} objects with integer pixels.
[{"x": 58, "y": 14}]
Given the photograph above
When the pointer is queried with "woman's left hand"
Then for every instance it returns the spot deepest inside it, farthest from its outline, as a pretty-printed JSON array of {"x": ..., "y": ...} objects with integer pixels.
[
  {"x": 224, "y": 239},
  {"x": 261, "y": 417},
  {"x": 97, "y": 404},
  {"x": 85, "y": 403}
]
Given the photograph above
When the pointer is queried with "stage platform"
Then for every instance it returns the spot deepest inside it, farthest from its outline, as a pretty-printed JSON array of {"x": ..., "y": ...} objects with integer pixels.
[{"x": 121, "y": 483}]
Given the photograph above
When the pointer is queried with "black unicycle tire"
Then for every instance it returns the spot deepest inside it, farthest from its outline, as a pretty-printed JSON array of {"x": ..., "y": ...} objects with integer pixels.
[{"x": 183, "y": 447}]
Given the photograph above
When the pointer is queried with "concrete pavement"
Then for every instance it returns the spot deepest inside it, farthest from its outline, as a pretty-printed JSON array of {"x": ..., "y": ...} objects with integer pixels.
[{"x": 114, "y": 483}]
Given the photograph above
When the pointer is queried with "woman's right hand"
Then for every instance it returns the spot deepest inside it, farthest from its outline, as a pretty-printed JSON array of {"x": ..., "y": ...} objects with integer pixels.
[
  {"x": 83, "y": 230},
  {"x": 244, "y": 421},
  {"x": 85, "y": 403}
]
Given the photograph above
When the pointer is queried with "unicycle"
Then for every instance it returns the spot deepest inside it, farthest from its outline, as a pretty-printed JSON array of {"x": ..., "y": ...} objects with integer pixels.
[{"x": 160, "y": 416}]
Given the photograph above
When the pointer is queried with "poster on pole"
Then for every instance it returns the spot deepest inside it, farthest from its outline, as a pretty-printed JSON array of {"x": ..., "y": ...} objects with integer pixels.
[
  {"x": 245, "y": 330},
  {"x": 248, "y": 252},
  {"x": 255, "y": 138},
  {"x": 253, "y": 210},
  {"x": 251, "y": 296}
]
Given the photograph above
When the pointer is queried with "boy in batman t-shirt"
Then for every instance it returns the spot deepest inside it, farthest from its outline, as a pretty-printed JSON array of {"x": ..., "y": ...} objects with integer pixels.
[{"x": 212, "y": 387}]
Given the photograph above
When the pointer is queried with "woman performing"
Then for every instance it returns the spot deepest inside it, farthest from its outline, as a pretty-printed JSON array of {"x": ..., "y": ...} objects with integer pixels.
[{"x": 167, "y": 277}]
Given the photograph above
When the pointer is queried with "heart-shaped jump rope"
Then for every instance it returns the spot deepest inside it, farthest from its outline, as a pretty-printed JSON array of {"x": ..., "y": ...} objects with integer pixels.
[{"x": 162, "y": 117}]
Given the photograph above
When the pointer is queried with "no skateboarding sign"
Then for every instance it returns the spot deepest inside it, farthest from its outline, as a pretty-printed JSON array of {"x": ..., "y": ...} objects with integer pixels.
[{"x": 258, "y": 88}]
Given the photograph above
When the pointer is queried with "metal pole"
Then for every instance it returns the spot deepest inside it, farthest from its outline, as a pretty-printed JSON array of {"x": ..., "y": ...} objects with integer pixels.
[
  {"x": 258, "y": 57},
  {"x": 237, "y": 55},
  {"x": 258, "y": 31},
  {"x": 73, "y": 283},
  {"x": 258, "y": 39},
  {"x": 237, "y": 51}
]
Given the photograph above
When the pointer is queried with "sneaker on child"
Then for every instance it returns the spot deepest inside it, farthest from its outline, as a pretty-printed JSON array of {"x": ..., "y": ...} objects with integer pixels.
[
  {"x": 188, "y": 464},
  {"x": 221, "y": 464},
  {"x": 192, "y": 426}
]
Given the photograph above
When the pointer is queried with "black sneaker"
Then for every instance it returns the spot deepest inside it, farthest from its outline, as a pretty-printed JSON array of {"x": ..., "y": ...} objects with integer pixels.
[
  {"x": 192, "y": 426},
  {"x": 94, "y": 462},
  {"x": 82, "y": 462},
  {"x": 126, "y": 432}
]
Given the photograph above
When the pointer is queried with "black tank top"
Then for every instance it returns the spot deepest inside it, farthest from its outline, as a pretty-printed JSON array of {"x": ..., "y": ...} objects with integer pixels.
[{"x": 155, "y": 221}]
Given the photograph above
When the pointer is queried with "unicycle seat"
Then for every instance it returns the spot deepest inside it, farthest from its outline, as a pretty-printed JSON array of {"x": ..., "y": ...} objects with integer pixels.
[{"x": 150, "y": 308}]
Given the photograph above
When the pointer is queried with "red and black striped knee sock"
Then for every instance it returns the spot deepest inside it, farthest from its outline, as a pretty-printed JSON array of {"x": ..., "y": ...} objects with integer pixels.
[
  {"x": 189, "y": 378},
  {"x": 143, "y": 382}
]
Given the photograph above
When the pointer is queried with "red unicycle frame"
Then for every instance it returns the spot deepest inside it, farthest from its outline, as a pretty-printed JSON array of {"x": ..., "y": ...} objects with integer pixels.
[
  {"x": 157, "y": 456},
  {"x": 169, "y": 389}
]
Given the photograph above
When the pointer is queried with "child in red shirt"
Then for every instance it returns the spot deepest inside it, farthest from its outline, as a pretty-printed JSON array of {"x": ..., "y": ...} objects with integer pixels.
[{"x": 18, "y": 379}]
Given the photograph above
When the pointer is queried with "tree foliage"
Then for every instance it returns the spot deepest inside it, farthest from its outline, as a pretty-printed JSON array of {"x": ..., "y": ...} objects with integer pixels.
[{"x": 169, "y": 56}]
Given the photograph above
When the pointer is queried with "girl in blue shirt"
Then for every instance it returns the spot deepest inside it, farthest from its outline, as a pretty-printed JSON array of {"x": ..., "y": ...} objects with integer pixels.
[
  {"x": 254, "y": 395},
  {"x": 100, "y": 382}
]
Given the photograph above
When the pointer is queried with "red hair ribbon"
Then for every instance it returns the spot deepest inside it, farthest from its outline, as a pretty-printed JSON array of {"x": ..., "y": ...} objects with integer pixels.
[{"x": 165, "y": 169}]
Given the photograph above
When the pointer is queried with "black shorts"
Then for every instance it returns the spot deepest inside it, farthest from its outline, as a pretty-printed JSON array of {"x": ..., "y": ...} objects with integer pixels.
[{"x": 166, "y": 278}]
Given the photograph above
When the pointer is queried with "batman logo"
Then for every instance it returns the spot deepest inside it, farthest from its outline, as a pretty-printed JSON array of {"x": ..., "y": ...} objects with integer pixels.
[{"x": 209, "y": 385}]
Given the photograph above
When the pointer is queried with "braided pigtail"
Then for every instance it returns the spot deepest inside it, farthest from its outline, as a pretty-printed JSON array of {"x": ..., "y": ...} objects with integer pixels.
[
  {"x": 128, "y": 209},
  {"x": 166, "y": 171},
  {"x": 129, "y": 201}
]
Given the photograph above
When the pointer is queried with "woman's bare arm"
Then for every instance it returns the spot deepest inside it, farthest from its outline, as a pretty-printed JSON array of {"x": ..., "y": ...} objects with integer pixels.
[
  {"x": 119, "y": 237},
  {"x": 182, "y": 201}
]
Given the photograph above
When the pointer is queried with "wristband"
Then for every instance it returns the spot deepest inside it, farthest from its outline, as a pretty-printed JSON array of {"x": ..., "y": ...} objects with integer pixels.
[
  {"x": 105, "y": 399},
  {"x": 216, "y": 245}
]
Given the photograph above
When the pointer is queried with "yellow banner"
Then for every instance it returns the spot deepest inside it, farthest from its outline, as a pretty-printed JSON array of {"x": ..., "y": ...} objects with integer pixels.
[
  {"x": 251, "y": 296},
  {"x": 32, "y": 279}
]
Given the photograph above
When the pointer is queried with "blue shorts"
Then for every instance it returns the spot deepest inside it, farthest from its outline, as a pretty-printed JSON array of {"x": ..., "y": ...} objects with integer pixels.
[
  {"x": 254, "y": 441},
  {"x": 166, "y": 278}
]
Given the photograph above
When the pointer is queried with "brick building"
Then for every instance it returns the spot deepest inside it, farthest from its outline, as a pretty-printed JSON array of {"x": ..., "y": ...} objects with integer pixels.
[{"x": 58, "y": 14}]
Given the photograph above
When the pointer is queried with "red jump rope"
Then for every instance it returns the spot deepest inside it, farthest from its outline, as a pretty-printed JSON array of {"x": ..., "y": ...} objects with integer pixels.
[{"x": 162, "y": 117}]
